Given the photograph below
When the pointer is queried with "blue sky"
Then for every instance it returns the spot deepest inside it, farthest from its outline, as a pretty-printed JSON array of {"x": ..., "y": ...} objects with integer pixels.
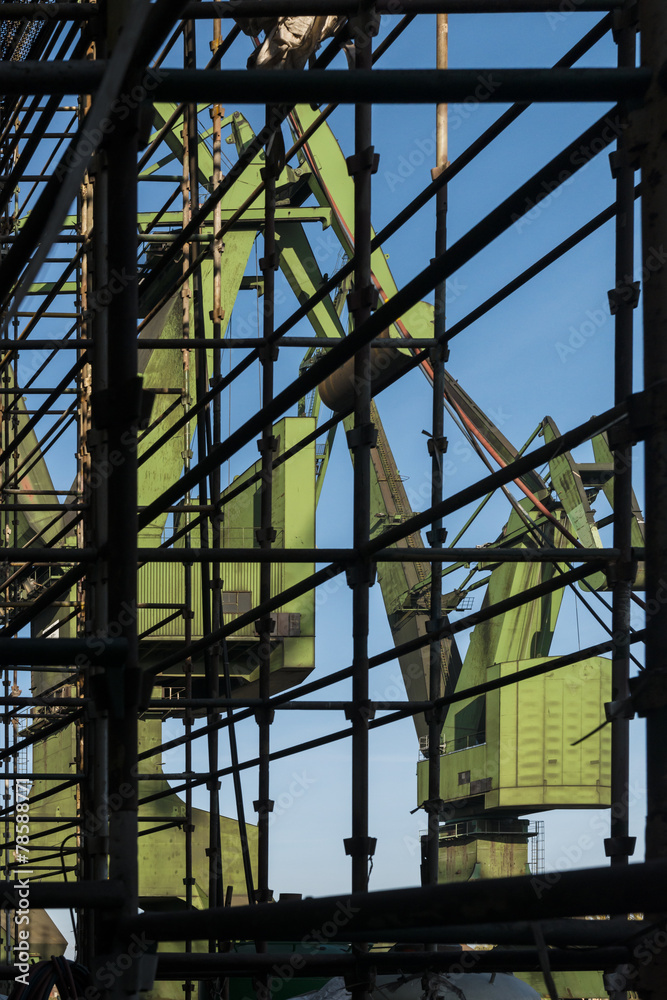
[{"x": 518, "y": 363}]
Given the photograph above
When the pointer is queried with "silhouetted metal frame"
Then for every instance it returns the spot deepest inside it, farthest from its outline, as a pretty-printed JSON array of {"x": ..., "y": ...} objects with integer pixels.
[{"x": 632, "y": 418}]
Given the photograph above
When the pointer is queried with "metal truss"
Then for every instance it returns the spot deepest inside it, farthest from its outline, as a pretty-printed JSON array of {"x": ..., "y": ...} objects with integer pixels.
[{"x": 102, "y": 53}]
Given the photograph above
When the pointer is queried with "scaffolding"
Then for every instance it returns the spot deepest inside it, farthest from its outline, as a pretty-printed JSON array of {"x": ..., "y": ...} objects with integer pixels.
[{"x": 80, "y": 253}]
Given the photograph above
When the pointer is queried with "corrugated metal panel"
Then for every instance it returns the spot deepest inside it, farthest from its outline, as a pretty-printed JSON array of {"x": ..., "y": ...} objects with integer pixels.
[
  {"x": 545, "y": 716},
  {"x": 530, "y": 731},
  {"x": 524, "y": 705},
  {"x": 164, "y": 583}
]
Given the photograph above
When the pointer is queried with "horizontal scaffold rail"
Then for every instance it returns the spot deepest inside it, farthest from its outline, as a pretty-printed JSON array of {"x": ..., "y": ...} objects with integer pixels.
[
  {"x": 269, "y": 8},
  {"x": 475, "y": 555},
  {"x": 409, "y": 86},
  {"x": 178, "y": 966},
  {"x": 577, "y": 893}
]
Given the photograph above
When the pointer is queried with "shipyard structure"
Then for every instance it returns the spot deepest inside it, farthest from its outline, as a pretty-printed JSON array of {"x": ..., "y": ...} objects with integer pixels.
[{"x": 243, "y": 288}]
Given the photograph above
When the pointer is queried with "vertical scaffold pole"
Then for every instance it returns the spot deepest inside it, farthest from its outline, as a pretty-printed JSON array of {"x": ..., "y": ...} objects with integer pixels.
[
  {"x": 95, "y": 788},
  {"x": 121, "y": 416},
  {"x": 650, "y": 137},
  {"x": 213, "y": 660},
  {"x": 437, "y": 445},
  {"x": 266, "y": 533},
  {"x": 191, "y": 303},
  {"x": 623, "y": 299},
  {"x": 361, "y": 438}
]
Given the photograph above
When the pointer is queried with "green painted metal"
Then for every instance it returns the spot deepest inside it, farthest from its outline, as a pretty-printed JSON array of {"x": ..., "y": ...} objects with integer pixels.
[
  {"x": 252, "y": 217},
  {"x": 521, "y": 635},
  {"x": 161, "y": 853},
  {"x": 35, "y": 478},
  {"x": 568, "y": 984},
  {"x": 483, "y": 428},
  {"x": 534, "y": 728},
  {"x": 173, "y": 139},
  {"x": 162, "y": 370},
  {"x": 404, "y": 585},
  {"x": 503, "y": 775},
  {"x": 300, "y": 267},
  {"x": 513, "y": 751},
  {"x": 526, "y": 631},
  {"x": 508, "y": 753},
  {"x": 578, "y": 484},
  {"x": 566, "y": 479},
  {"x": 605, "y": 460},
  {"x": 333, "y": 188},
  {"x": 407, "y": 611},
  {"x": 302, "y": 271},
  {"x": 292, "y": 655},
  {"x": 31, "y": 523},
  {"x": 477, "y": 849},
  {"x": 481, "y": 735},
  {"x": 44, "y": 287}
]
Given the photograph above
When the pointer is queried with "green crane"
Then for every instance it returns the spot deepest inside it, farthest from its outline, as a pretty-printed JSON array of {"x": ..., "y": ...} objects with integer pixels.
[{"x": 505, "y": 755}]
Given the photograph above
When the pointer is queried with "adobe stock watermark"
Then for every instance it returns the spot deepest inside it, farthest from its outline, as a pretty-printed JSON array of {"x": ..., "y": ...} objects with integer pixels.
[
  {"x": 95, "y": 644},
  {"x": 423, "y": 150},
  {"x": 22, "y": 881},
  {"x": 505, "y": 752},
  {"x": 595, "y": 319},
  {"x": 102, "y": 468},
  {"x": 114, "y": 968},
  {"x": 551, "y": 190},
  {"x": 580, "y": 335},
  {"x": 296, "y": 790},
  {"x": 565, "y": 10},
  {"x": 284, "y": 972},
  {"x": 86, "y": 143},
  {"x": 645, "y": 952},
  {"x": 581, "y": 673},
  {"x": 573, "y": 854},
  {"x": 329, "y": 588},
  {"x": 98, "y": 300},
  {"x": 456, "y": 457},
  {"x": 102, "y": 297}
]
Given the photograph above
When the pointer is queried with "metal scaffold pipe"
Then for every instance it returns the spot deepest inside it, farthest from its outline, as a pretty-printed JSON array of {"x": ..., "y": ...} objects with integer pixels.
[
  {"x": 223, "y": 590},
  {"x": 437, "y": 447},
  {"x": 650, "y": 141},
  {"x": 414, "y": 86},
  {"x": 360, "y": 438},
  {"x": 250, "y": 8},
  {"x": 621, "y": 890}
]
